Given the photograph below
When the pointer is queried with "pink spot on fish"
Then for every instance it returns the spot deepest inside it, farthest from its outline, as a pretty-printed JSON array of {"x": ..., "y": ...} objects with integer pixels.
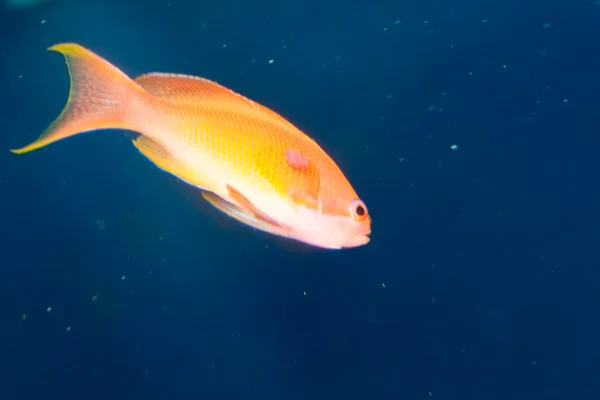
[{"x": 297, "y": 159}]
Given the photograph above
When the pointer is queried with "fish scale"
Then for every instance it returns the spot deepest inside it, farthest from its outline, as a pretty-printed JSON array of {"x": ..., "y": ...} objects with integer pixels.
[{"x": 242, "y": 139}]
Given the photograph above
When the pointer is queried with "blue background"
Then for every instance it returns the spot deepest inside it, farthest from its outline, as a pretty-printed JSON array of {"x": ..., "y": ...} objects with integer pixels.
[{"x": 481, "y": 279}]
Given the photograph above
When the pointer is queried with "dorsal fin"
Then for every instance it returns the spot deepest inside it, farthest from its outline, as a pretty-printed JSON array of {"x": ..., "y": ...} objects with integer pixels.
[{"x": 193, "y": 89}]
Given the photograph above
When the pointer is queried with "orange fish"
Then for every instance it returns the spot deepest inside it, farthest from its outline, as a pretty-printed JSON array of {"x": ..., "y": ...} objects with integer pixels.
[{"x": 248, "y": 161}]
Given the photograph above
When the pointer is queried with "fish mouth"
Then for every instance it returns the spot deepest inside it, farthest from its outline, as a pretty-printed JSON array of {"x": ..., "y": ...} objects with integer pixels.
[
  {"x": 356, "y": 241},
  {"x": 363, "y": 238}
]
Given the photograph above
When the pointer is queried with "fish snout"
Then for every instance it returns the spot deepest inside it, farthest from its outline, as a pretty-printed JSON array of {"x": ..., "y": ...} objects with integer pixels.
[{"x": 358, "y": 235}]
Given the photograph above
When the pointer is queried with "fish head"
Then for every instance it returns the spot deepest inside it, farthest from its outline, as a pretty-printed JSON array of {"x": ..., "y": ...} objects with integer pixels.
[
  {"x": 325, "y": 210},
  {"x": 330, "y": 216},
  {"x": 309, "y": 199},
  {"x": 345, "y": 226}
]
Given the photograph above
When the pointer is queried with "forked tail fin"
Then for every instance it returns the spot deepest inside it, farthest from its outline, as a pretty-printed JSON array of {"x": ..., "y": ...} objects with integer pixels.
[{"x": 101, "y": 97}]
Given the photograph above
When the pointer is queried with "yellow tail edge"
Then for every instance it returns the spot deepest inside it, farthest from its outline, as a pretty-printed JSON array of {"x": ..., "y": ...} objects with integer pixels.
[{"x": 100, "y": 97}]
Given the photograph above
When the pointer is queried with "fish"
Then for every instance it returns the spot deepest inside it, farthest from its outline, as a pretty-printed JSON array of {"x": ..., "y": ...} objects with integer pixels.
[{"x": 247, "y": 160}]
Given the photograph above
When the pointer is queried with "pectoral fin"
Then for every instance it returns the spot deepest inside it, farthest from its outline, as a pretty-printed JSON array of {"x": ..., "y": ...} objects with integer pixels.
[{"x": 165, "y": 161}]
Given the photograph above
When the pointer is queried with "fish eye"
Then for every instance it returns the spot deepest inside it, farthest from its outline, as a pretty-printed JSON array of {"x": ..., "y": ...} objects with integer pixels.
[{"x": 358, "y": 210}]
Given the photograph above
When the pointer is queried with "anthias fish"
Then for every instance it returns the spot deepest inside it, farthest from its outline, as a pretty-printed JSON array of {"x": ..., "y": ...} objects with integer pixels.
[{"x": 247, "y": 160}]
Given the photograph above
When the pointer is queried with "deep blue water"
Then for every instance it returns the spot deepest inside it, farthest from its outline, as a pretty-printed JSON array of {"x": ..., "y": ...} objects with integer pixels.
[{"x": 481, "y": 279}]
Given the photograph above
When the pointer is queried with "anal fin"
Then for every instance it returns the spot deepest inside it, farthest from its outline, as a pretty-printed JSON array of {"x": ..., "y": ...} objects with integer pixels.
[
  {"x": 245, "y": 203},
  {"x": 161, "y": 157},
  {"x": 251, "y": 217}
]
